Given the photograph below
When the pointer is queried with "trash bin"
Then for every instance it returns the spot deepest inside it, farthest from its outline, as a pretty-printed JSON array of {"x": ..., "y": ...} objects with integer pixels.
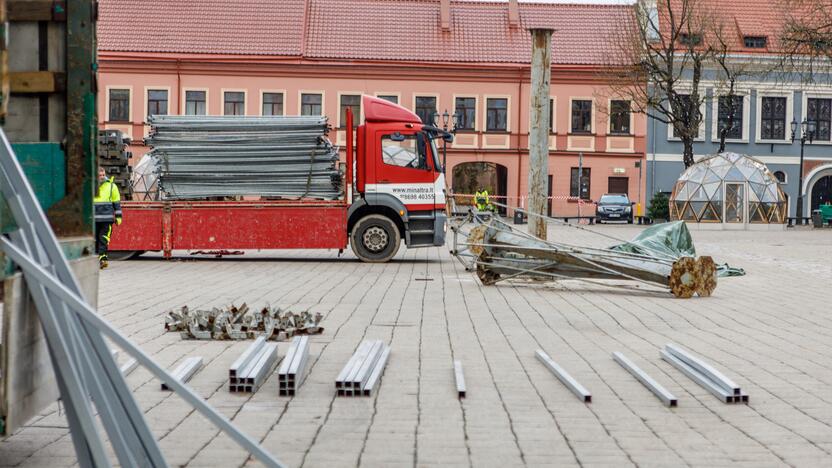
[
  {"x": 519, "y": 217},
  {"x": 817, "y": 219}
]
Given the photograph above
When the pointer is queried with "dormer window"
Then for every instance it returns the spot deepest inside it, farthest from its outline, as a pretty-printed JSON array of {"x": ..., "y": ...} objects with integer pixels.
[
  {"x": 755, "y": 42},
  {"x": 690, "y": 39}
]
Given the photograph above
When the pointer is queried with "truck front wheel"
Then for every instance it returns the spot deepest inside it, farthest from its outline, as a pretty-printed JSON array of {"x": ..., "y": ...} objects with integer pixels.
[{"x": 375, "y": 239}]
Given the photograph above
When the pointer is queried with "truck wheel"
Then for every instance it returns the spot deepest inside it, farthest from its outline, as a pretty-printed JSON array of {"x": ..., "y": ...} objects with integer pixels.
[{"x": 375, "y": 239}]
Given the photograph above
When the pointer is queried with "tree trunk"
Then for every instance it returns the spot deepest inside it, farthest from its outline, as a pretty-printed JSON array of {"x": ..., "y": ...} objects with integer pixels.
[{"x": 687, "y": 154}]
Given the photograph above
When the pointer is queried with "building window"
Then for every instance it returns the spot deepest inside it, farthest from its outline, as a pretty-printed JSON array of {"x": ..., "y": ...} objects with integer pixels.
[
  {"x": 581, "y": 116},
  {"x": 620, "y": 117},
  {"x": 730, "y": 105},
  {"x": 157, "y": 102},
  {"x": 755, "y": 42},
  {"x": 496, "y": 114},
  {"x": 272, "y": 103},
  {"x": 780, "y": 176},
  {"x": 235, "y": 103},
  {"x": 390, "y": 98},
  {"x": 690, "y": 39},
  {"x": 426, "y": 108},
  {"x": 819, "y": 112},
  {"x": 684, "y": 102},
  {"x": 311, "y": 104},
  {"x": 119, "y": 105},
  {"x": 466, "y": 109},
  {"x": 551, "y": 115},
  {"x": 773, "y": 118},
  {"x": 579, "y": 188},
  {"x": 195, "y": 103},
  {"x": 350, "y": 101}
]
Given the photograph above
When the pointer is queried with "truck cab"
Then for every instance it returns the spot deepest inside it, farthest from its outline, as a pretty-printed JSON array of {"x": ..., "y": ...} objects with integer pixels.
[{"x": 397, "y": 191}]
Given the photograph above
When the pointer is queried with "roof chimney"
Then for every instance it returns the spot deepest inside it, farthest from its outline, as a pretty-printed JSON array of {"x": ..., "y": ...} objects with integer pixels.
[
  {"x": 513, "y": 14},
  {"x": 445, "y": 14}
]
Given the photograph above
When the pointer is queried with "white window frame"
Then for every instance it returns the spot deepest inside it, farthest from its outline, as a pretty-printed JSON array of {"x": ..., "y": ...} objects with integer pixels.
[
  {"x": 477, "y": 122},
  {"x": 313, "y": 91},
  {"x": 804, "y": 110},
  {"x": 746, "y": 112},
  {"x": 485, "y": 99},
  {"x": 789, "y": 116},
  {"x": 184, "y": 102},
  {"x": 360, "y": 117},
  {"x": 609, "y": 118},
  {"x": 233, "y": 90},
  {"x": 592, "y": 117},
  {"x": 129, "y": 104},
  {"x": 785, "y": 176}
]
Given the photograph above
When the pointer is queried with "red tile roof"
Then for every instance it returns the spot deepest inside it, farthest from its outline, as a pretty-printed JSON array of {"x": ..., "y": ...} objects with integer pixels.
[
  {"x": 400, "y": 30},
  {"x": 248, "y": 27}
]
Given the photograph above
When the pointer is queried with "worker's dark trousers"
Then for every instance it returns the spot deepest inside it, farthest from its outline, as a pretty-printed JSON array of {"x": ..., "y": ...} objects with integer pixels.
[{"x": 102, "y": 238}]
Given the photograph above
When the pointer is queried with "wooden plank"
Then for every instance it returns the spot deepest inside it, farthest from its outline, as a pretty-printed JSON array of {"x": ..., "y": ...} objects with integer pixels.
[
  {"x": 27, "y": 378},
  {"x": 37, "y": 82},
  {"x": 36, "y": 10}
]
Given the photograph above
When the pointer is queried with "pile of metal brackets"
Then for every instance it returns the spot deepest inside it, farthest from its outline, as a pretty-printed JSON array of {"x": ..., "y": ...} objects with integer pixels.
[{"x": 241, "y": 323}]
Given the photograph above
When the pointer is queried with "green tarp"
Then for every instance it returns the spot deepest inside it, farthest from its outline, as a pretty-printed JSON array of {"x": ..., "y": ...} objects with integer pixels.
[{"x": 671, "y": 240}]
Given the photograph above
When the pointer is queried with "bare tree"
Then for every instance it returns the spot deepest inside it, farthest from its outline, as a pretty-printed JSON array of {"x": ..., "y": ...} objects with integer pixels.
[
  {"x": 659, "y": 62},
  {"x": 806, "y": 38}
]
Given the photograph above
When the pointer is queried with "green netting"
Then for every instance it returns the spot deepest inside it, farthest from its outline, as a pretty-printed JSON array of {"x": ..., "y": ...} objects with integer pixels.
[{"x": 672, "y": 240}]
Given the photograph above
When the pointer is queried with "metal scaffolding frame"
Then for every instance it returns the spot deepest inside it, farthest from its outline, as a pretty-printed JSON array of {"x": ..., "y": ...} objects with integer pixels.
[{"x": 85, "y": 369}]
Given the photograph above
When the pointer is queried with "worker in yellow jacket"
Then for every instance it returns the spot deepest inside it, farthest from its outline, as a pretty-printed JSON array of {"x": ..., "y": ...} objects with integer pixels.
[
  {"x": 107, "y": 204},
  {"x": 482, "y": 202}
]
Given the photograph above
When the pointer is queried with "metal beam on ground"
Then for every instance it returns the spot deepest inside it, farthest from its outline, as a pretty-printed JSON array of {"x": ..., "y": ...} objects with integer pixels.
[
  {"x": 704, "y": 368},
  {"x": 665, "y": 396},
  {"x": 460, "y": 379},
  {"x": 573, "y": 385},
  {"x": 129, "y": 367},
  {"x": 378, "y": 370},
  {"x": 185, "y": 371},
  {"x": 697, "y": 377}
]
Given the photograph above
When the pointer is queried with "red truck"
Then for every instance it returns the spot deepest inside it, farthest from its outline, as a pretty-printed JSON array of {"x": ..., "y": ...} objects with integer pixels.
[{"x": 394, "y": 190}]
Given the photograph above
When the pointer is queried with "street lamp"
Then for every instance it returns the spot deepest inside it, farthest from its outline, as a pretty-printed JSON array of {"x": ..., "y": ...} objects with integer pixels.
[
  {"x": 447, "y": 119},
  {"x": 807, "y": 132}
]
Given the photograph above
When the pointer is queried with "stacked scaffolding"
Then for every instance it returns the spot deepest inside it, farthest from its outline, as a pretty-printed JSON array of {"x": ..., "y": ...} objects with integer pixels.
[
  {"x": 231, "y": 156},
  {"x": 115, "y": 159}
]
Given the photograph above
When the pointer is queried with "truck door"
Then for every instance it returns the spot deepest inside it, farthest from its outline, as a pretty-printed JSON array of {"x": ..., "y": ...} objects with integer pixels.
[
  {"x": 405, "y": 174},
  {"x": 404, "y": 170}
]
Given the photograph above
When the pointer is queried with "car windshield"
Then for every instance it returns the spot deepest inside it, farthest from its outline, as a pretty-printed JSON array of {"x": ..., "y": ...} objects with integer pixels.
[{"x": 615, "y": 199}]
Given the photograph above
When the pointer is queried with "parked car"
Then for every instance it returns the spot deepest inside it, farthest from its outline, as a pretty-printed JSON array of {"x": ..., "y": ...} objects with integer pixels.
[{"x": 614, "y": 207}]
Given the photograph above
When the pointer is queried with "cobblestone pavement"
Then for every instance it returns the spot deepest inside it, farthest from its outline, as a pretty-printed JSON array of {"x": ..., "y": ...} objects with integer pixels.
[{"x": 771, "y": 331}]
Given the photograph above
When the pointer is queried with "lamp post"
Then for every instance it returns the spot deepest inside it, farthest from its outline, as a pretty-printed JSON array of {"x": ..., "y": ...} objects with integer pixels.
[
  {"x": 447, "y": 119},
  {"x": 807, "y": 132}
]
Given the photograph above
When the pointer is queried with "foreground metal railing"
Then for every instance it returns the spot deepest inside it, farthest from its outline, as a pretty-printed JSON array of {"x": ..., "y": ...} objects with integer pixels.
[{"x": 85, "y": 369}]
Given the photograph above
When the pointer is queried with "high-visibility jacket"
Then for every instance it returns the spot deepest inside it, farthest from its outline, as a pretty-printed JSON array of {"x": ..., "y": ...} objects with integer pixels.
[
  {"x": 482, "y": 201},
  {"x": 107, "y": 202}
]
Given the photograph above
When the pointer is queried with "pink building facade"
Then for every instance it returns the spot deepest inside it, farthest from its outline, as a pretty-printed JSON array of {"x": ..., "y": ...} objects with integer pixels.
[{"x": 492, "y": 98}]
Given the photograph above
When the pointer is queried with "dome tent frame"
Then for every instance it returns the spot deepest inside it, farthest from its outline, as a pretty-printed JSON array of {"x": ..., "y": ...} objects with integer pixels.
[{"x": 728, "y": 188}]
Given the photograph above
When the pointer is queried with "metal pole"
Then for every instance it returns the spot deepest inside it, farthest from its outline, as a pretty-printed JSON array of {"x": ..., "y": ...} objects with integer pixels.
[
  {"x": 800, "y": 181},
  {"x": 580, "y": 179},
  {"x": 541, "y": 72}
]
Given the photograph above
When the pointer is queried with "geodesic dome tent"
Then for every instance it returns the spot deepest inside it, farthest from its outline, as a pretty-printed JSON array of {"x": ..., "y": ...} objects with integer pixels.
[{"x": 728, "y": 188}]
